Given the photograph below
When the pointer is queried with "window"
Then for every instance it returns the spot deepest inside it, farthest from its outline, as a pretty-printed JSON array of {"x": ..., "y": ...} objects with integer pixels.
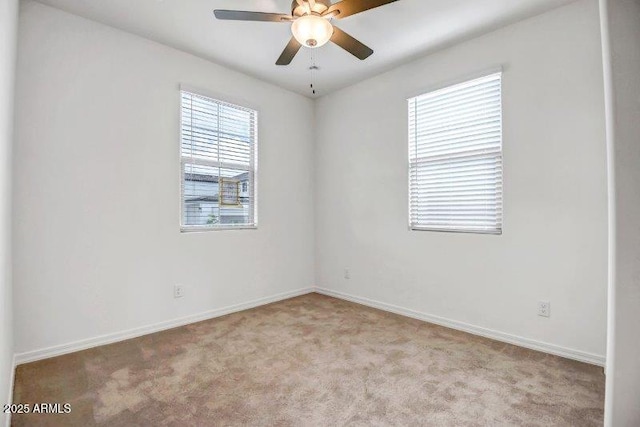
[
  {"x": 218, "y": 164},
  {"x": 455, "y": 158}
]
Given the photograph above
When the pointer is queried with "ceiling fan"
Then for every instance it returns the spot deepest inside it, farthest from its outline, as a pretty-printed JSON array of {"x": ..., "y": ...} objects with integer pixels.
[{"x": 310, "y": 24}]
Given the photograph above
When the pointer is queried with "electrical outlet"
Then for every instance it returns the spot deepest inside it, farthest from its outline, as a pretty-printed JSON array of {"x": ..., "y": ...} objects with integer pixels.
[
  {"x": 544, "y": 308},
  {"x": 178, "y": 291},
  {"x": 347, "y": 273}
]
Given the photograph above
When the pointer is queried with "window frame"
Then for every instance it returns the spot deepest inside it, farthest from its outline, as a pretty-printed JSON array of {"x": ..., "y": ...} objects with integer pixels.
[
  {"x": 441, "y": 86},
  {"x": 241, "y": 104}
]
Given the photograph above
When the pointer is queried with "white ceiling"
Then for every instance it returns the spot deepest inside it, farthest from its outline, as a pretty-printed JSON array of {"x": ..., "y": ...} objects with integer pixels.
[{"x": 396, "y": 32}]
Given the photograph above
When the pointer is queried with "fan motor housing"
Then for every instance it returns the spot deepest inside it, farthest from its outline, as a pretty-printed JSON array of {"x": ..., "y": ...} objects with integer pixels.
[{"x": 320, "y": 7}]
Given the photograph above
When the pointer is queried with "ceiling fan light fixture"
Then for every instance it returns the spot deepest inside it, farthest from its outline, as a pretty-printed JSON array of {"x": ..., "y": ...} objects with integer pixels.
[{"x": 312, "y": 30}]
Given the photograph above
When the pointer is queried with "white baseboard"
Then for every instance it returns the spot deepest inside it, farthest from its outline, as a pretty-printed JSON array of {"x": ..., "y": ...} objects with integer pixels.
[
  {"x": 568, "y": 353},
  {"x": 58, "y": 350}
]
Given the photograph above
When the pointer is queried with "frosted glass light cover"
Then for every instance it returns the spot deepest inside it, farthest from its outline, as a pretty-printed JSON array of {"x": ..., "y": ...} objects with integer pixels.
[{"x": 312, "y": 30}]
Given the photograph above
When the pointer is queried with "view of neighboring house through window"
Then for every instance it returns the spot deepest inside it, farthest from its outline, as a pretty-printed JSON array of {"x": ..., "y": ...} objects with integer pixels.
[
  {"x": 218, "y": 160},
  {"x": 455, "y": 158}
]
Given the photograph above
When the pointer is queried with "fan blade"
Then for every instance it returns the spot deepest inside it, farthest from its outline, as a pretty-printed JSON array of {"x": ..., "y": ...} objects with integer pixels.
[
  {"x": 289, "y": 52},
  {"x": 241, "y": 15},
  {"x": 346, "y": 8},
  {"x": 350, "y": 44}
]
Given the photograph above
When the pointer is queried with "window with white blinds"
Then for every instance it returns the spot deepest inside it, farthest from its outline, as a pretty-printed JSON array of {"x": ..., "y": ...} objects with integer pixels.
[
  {"x": 218, "y": 164},
  {"x": 455, "y": 158}
]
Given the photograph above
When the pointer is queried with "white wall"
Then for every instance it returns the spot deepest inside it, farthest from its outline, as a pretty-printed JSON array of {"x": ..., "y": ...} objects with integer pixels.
[
  {"x": 621, "y": 57},
  {"x": 554, "y": 245},
  {"x": 97, "y": 151},
  {"x": 8, "y": 32}
]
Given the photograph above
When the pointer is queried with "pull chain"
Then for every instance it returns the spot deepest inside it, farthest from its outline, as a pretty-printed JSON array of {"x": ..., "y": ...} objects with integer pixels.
[{"x": 313, "y": 67}]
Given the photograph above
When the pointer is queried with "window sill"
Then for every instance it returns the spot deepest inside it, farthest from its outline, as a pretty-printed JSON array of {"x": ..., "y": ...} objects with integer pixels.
[
  {"x": 447, "y": 230},
  {"x": 197, "y": 229}
]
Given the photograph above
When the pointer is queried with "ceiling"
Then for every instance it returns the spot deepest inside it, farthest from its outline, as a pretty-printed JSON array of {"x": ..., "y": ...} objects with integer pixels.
[{"x": 396, "y": 32}]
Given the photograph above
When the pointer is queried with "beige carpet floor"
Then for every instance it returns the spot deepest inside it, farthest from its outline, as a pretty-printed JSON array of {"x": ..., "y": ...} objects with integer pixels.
[{"x": 312, "y": 361}]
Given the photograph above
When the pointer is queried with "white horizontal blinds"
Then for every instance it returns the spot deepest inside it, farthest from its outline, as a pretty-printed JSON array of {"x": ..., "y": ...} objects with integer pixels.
[
  {"x": 455, "y": 156},
  {"x": 218, "y": 151}
]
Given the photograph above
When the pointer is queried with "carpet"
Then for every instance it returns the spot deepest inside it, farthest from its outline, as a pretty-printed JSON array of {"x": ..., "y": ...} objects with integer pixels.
[{"x": 311, "y": 361}]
